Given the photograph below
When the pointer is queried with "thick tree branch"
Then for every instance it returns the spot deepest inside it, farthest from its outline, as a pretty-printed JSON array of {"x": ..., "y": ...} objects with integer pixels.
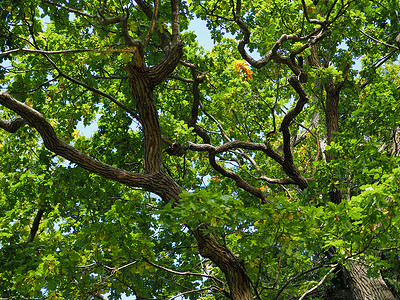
[
  {"x": 234, "y": 270},
  {"x": 176, "y": 33},
  {"x": 142, "y": 81},
  {"x": 196, "y": 95},
  {"x": 166, "y": 66},
  {"x": 35, "y": 225},
  {"x": 288, "y": 165},
  {"x": 13, "y": 125},
  {"x": 158, "y": 183}
]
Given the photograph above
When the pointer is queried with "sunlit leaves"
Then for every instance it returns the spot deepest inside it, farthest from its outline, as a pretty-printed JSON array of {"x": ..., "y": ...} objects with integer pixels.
[{"x": 243, "y": 68}]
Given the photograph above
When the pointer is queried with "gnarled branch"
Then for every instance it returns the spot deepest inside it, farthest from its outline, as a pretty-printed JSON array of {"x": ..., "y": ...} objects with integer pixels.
[
  {"x": 13, "y": 125},
  {"x": 158, "y": 183},
  {"x": 288, "y": 164}
]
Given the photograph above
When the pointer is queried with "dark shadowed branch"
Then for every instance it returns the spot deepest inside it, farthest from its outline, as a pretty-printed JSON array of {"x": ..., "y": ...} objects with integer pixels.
[
  {"x": 35, "y": 225},
  {"x": 13, "y": 125}
]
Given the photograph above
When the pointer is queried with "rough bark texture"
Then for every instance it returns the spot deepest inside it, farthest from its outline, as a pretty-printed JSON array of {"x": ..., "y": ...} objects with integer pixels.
[
  {"x": 230, "y": 265},
  {"x": 332, "y": 107},
  {"x": 141, "y": 88},
  {"x": 364, "y": 287},
  {"x": 142, "y": 81}
]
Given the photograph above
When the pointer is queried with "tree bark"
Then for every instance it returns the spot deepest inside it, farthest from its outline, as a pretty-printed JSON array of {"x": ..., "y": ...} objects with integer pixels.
[
  {"x": 364, "y": 287},
  {"x": 235, "y": 273},
  {"x": 142, "y": 82}
]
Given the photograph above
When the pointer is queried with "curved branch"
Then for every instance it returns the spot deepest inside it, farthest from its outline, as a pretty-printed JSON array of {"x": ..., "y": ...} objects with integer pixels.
[
  {"x": 194, "y": 291},
  {"x": 166, "y": 66},
  {"x": 13, "y": 125},
  {"x": 183, "y": 273},
  {"x": 288, "y": 165},
  {"x": 159, "y": 183},
  {"x": 240, "y": 182},
  {"x": 319, "y": 283},
  {"x": 69, "y": 9},
  {"x": 312, "y": 38},
  {"x": 90, "y": 88}
]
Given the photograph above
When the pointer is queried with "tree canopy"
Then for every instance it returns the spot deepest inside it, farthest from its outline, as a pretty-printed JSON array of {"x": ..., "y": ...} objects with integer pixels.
[{"x": 264, "y": 168}]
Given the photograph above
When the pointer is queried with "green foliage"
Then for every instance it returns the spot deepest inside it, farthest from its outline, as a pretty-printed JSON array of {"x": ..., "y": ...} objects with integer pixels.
[{"x": 99, "y": 237}]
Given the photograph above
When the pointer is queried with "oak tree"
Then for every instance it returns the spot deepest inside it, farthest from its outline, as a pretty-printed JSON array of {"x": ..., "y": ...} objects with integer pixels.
[{"x": 264, "y": 168}]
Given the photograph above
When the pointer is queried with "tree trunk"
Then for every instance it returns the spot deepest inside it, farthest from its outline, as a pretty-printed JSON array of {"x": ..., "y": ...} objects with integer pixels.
[
  {"x": 364, "y": 287},
  {"x": 142, "y": 82},
  {"x": 332, "y": 125},
  {"x": 235, "y": 273}
]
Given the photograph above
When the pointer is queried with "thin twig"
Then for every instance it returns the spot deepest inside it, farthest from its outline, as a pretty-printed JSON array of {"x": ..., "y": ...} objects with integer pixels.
[
  {"x": 64, "y": 51},
  {"x": 378, "y": 41},
  {"x": 38, "y": 87},
  {"x": 295, "y": 278},
  {"x": 183, "y": 273},
  {"x": 153, "y": 23},
  {"x": 90, "y": 88},
  {"x": 192, "y": 291},
  {"x": 69, "y": 9},
  {"x": 319, "y": 283}
]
